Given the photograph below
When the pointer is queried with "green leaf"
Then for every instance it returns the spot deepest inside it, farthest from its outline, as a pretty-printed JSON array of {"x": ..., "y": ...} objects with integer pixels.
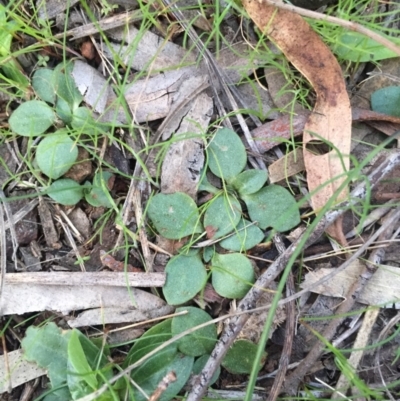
[
  {"x": 150, "y": 340},
  {"x": 240, "y": 357},
  {"x": 32, "y": 118},
  {"x": 81, "y": 379},
  {"x": 232, "y": 275},
  {"x": 249, "y": 181},
  {"x": 273, "y": 206},
  {"x": 63, "y": 111},
  {"x": 201, "y": 341},
  {"x": 186, "y": 276},
  {"x": 56, "y": 154},
  {"x": 354, "y": 46},
  {"x": 226, "y": 154},
  {"x": 48, "y": 347},
  {"x": 43, "y": 85},
  {"x": 208, "y": 253},
  {"x": 160, "y": 365},
  {"x": 99, "y": 194},
  {"x": 246, "y": 236},
  {"x": 64, "y": 85},
  {"x": 174, "y": 215},
  {"x": 65, "y": 192},
  {"x": 222, "y": 216},
  {"x": 82, "y": 120},
  {"x": 387, "y": 101},
  {"x": 199, "y": 365},
  {"x": 206, "y": 186}
]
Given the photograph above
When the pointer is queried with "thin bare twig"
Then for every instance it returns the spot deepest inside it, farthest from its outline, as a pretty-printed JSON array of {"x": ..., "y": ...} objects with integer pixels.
[{"x": 289, "y": 335}]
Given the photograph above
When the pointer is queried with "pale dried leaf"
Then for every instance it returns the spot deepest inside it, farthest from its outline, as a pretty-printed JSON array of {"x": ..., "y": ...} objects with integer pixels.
[
  {"x": 21, "y": 370},
  {"x": 383, "y": 287},
  {"x": 290, "y": 164},
  {"x": 63, "y": 292},
  {"x": 185, "y": 158}
]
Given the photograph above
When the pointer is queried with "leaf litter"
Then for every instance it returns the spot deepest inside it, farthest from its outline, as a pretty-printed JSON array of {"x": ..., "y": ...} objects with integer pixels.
[{"x": 165, "y": 122}]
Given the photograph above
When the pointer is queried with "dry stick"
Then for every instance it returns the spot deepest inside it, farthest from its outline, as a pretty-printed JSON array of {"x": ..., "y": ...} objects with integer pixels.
[
  {"x": 3, "y": 251},
  {"x": 306, "y": 239},
  {"x": 337, "y": 21},
  {"x": 370, "y": 317},
  {"x": 289, "y": 331},
  {"x": 294, "y": 379},
  {"x": 137, "y": 204}
]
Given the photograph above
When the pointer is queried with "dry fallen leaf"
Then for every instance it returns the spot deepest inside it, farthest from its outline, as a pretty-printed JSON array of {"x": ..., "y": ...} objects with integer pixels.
[
  {"x": 331, "y": 117},
  {"x": 383, "y": 287}
]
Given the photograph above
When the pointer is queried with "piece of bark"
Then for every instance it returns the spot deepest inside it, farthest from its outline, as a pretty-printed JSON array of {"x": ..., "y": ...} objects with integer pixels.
[
  {"x": 48, "y": 9},
  {"x": 65, "y": 292},
  {"x": 20, "y": 369},
  {"x": 382, "y": 289},
  {"x": 49, "y": 230},
  {"x": 185, "y": 158}
]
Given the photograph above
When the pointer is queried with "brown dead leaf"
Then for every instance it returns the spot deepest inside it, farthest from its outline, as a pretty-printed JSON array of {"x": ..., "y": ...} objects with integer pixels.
[{"x": 331, "y": 119}]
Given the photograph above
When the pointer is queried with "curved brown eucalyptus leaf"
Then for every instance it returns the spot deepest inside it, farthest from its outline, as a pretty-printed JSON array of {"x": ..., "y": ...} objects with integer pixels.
[{"x": 330, "y": 120}]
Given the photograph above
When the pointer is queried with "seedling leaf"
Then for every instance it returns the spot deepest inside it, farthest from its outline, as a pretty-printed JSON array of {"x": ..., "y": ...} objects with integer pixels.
[
  {"x": 387, "y": 101},
  {"x": 232, "y": 275},
  {"x": 174, "y": 215},
  {"x": 240, "y": 357},
  {"x": 273, "y": 206},
  {"x": 81, "y": 378},
  {"x": 222, "y": 216},
  {"x": 249, "y": 181},
  {"x": 226, "y": 154},
  {"x": 82, "y": 119},
  {"x": 47, "y": 346},
  {"x": 63, "y": 111},
  {"x": 43, "y": 85},
  {"x": 199, "y": 342},
  {"x": 64, "y": 85},
  {"x": 56, "y": 154},
  {"x": 99, "y": 195},
  {"x": 151, "y": 373},
  {"x": 153, "y": 337},
  {"x": 354, "y": 46},
  {"x": 186, "y": 276},
  {"x": 65, "y": 192},
  {"x": 32, "y": 118},
  {"x": 246, "y": 236}
]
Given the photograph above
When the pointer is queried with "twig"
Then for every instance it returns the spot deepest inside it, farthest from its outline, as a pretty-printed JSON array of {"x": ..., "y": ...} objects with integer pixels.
[
  {"x": 248, "y": 302},
  {"x": 103, "y": 25},
  {"x": 137, "y": 204},
  {"x": 294, "y": 379},
  {"x": 94, "y": 278},
  {"x": 352, "y": 26},
  {"x": 288, "y": 341}
]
